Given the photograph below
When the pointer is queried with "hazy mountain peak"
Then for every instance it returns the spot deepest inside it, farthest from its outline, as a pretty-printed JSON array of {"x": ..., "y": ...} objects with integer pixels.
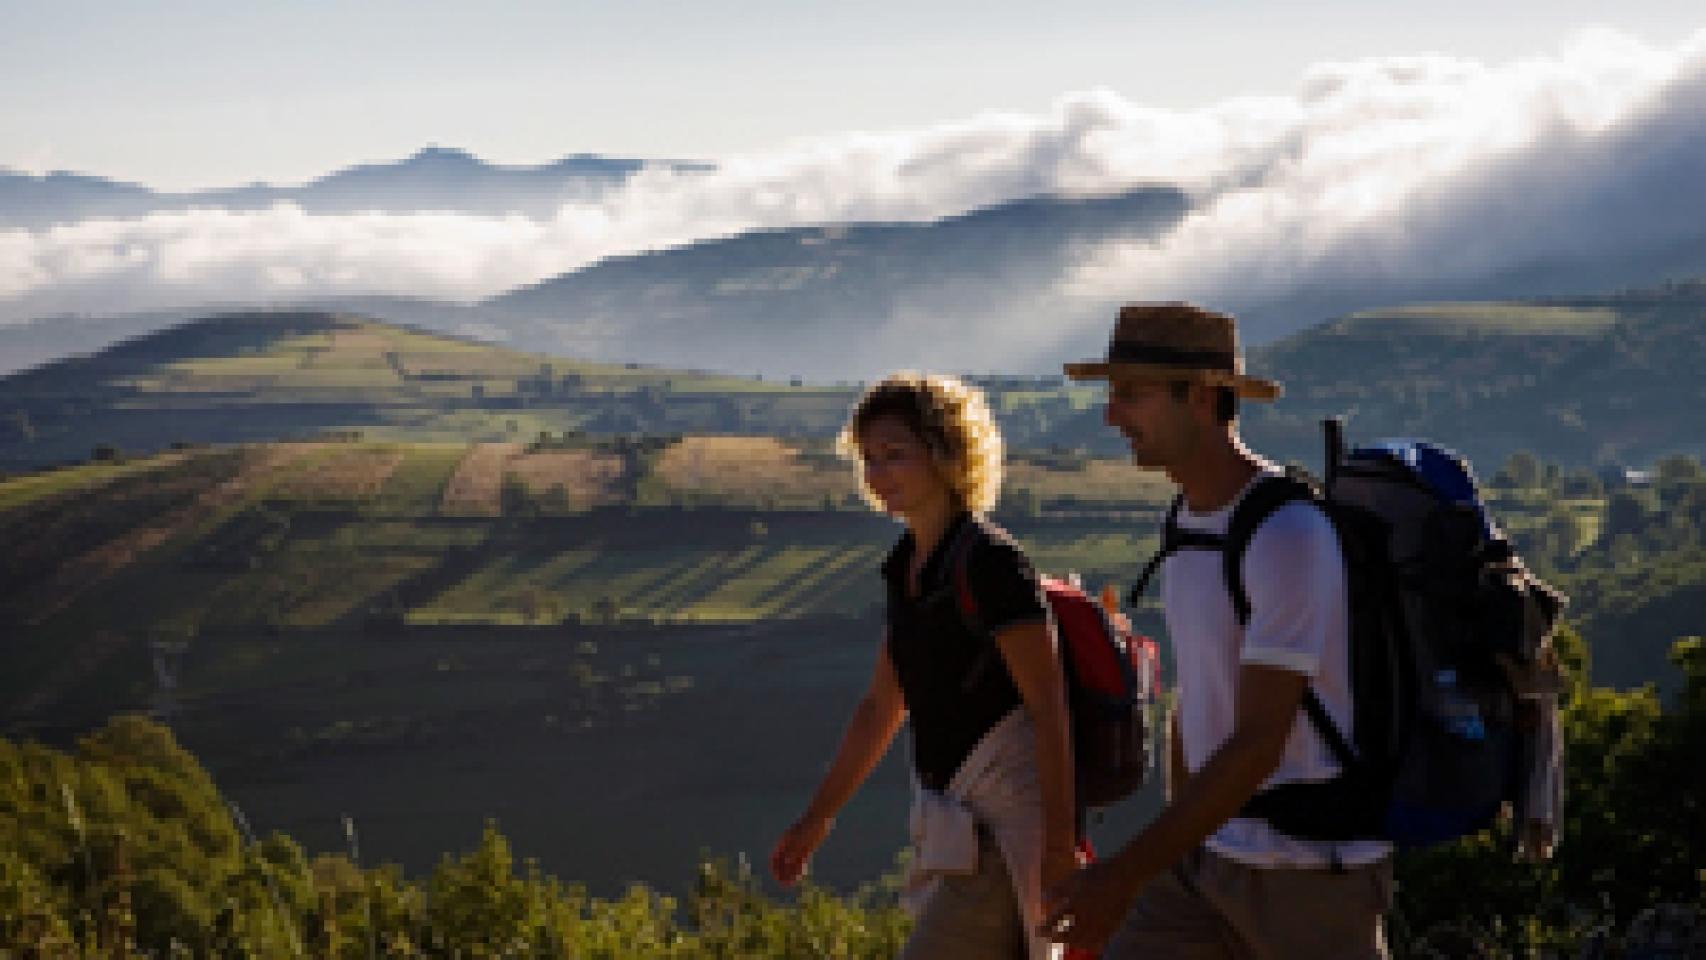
[{"x": 433, "y": 153}]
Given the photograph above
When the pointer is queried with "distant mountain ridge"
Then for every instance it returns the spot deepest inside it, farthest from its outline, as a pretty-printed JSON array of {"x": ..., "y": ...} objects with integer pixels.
[
  {"x": 434, "y": 178},
  {"x": 837, "y": 302}
]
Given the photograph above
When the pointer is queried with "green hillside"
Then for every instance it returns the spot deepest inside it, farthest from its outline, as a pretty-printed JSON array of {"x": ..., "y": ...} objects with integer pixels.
[
  {"x": 1581, "y": 382},
  {"x": 1590, "y": 380},
  {"x": 226, "y": 549},
  {"x": 300, "y": 610},
  {"x": 290, "y": 375},
  {"x": 268, "y": 376},
  {"x": 1584, "y": 381}
]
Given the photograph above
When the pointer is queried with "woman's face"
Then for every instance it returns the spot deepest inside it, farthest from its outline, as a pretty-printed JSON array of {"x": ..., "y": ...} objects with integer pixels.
[{"x": 898, "y": 466}]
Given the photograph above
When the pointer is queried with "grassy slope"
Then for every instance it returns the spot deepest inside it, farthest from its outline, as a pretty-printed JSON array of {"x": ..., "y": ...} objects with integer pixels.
[
  {"x": 355, "y": 536},
  {"x": 273, "y": 375},
  {"x": 1580, "y": 381},
  {"x": 1591, "y": 380}
]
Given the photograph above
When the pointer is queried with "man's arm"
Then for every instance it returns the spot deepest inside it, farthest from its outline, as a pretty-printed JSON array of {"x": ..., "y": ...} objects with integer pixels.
[{"x": 1097, "y": 897}]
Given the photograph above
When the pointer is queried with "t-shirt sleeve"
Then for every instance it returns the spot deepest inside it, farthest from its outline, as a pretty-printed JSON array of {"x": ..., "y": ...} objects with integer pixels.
[
  {"x": 1005, "y": 586},
  {"x": 1294, "y": 575}
]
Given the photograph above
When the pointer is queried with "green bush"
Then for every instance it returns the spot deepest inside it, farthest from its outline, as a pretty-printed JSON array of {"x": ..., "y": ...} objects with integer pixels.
[{"x": 129, "y": 838}]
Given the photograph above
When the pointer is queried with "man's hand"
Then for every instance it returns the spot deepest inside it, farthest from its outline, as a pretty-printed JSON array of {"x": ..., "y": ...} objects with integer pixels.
[{"x": 1085, "y": 910}]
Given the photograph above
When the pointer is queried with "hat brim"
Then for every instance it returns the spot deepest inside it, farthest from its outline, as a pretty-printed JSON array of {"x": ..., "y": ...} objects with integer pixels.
[{"x": 1246, "y": 387}]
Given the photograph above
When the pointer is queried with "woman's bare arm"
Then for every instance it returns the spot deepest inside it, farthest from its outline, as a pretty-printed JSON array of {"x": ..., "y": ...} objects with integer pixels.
[{"x": 869, "y": 732}]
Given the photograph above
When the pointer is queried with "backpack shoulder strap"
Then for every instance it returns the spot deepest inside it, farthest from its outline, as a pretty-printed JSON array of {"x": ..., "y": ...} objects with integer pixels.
[
  {"x": 1173, "y": 539},
  {"x": 1264, "y": 499},
  {"x": 959, "y": 554},
  {"x": 1258, "y": 505}
]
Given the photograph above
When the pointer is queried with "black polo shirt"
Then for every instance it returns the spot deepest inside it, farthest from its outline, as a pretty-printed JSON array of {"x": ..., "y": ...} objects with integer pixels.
[{"x": 953, "y": 677}]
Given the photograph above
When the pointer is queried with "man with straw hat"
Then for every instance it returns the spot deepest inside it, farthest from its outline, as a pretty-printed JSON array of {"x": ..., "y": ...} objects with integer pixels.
[{"x": 1201, "y": 880}]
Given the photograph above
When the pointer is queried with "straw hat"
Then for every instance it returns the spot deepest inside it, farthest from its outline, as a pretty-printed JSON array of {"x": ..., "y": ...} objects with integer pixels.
[{"x": 1175, "y": 341}]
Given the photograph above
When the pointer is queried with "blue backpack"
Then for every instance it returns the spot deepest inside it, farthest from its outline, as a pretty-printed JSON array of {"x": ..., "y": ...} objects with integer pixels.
[{"x": 1436, "y": 593}]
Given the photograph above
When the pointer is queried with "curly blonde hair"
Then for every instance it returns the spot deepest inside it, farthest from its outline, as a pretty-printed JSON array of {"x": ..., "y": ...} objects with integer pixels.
[{"x": 951, "y": 417}]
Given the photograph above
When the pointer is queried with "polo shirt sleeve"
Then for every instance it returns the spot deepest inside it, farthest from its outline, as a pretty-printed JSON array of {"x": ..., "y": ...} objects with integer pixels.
[
  {"x": 1294, "y": 575},
  {"x": 1004, "y": 585}
]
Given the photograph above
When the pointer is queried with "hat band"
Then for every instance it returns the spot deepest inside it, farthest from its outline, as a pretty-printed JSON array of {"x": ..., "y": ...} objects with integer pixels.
[{"x": 1128, "y": 352}]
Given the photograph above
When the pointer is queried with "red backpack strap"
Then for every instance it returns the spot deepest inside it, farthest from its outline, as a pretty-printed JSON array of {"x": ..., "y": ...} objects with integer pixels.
[{"x": 959, "y": 554}]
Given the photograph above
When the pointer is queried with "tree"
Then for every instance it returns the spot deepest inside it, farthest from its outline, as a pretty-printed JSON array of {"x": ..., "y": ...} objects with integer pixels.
[
  {"x": 515, "y": 499},
  {"x": 1522, "y": 471},
  {"x": 1625, "y": 513}
]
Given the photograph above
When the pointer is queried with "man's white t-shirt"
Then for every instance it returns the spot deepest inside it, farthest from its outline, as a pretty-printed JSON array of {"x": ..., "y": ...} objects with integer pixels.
[{"x": 1295, "y": 577}]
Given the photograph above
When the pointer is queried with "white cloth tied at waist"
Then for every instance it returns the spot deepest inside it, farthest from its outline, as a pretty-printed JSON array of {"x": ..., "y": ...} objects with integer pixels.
[{"x": 997, "y": 786}]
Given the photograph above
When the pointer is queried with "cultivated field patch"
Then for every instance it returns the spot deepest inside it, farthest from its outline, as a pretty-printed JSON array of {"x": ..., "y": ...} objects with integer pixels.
[
  {"x": 80, "y": 479},
  {"x": 753, "y": 470},
  {"x": 1102, "y": 483},
  {"x": 1456, "y": 319},
  {"x": 476, "y": 488},
  {"x": 586, "y": 477},
  {"x": 341, "y": 472}
]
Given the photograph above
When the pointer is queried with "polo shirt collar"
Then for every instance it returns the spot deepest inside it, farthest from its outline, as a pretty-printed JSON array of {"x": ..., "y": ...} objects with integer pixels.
[{"x": 894, "y": 568}]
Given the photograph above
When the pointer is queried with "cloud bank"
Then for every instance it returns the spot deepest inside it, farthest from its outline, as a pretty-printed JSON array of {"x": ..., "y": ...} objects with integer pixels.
[
  {"x": 1435, "y": 174},
  {"x": 1378, "y": 174}
]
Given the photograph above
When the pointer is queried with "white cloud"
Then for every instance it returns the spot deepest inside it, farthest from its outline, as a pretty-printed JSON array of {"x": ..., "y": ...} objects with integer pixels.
[
  {"x": 1395, "y": 170},
  {"x": 1407, "y": 173}
]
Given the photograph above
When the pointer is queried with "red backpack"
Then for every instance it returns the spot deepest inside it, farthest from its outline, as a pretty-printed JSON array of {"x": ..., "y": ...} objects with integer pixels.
[{"x": 1113, "y": 677}]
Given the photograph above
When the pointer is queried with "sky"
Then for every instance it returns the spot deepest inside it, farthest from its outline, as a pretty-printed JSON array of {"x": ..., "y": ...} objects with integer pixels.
[
  {"x": 183, "y": 94},
  {"x": 1357, "y": 154}
]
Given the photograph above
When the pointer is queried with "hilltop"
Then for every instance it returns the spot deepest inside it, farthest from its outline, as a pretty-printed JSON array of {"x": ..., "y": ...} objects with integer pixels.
[{"x": 290, "y": 374}]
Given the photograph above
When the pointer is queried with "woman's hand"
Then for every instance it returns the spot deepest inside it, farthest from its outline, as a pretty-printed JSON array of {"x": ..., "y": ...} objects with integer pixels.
[
  {"x": 795, "y": 848},
  {"x": 875, "y": 720}
]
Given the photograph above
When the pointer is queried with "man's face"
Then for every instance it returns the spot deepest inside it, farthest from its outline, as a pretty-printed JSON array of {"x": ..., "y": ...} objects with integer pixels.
[{"x": 1159, "y": 426}]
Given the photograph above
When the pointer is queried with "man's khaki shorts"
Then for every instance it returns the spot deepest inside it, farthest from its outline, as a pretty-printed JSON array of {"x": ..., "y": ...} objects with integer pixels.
[
  {"x": 974, "y": 915},
  {"x": 1209, "y": 906}
]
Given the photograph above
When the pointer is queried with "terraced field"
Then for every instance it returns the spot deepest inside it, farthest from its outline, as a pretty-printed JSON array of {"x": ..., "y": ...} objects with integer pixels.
[
  {"x": 1484, "y": 319},
  {"x": 81, "y": 479},
  {"x": 755, "y": 471},
  {"x": 586, "y": 478}
]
